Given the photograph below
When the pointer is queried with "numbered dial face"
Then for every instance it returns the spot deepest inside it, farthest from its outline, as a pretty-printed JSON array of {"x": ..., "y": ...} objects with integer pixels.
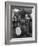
[{"x": 18, "y": 31}]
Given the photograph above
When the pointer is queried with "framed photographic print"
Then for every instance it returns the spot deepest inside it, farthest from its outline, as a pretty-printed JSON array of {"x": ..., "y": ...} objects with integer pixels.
[{"x": 20, "y": 22}]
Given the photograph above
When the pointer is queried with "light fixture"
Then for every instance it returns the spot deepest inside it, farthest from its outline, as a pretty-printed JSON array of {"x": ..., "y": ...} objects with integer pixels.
[{"x": 16, "y": 10}]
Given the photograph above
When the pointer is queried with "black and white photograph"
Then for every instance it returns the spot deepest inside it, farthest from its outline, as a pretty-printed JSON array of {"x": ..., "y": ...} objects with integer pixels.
[{"x": 20, "y": 22}]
